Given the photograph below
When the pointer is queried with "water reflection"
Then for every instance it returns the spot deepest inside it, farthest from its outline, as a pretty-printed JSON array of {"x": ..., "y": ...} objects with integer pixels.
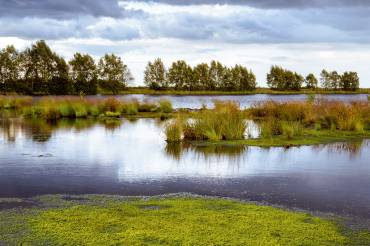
[
  {"x": 41, "y": 131},
  {"x": 132, "y": 158},
  {"x": 176, "y": 150},
  {"x": 196, "y": 102}
]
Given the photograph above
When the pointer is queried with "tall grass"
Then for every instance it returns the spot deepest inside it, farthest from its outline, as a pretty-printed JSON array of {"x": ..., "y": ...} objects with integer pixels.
[
  {"x": 14, "y": 102},
  {"x": 329, "y": 115},
  {"x": 52, "y": 108},
  {"x": 173, "y": 131},
  {"x": 224, "y": 122}
]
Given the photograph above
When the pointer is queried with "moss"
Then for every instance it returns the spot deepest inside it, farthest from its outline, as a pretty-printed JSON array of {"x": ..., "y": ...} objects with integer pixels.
[{"x": 100, "y": 220}]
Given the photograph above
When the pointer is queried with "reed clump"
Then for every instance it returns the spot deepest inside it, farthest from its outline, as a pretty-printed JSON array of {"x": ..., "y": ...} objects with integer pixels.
[
  {"x": 225, "y": 122},
  {"x": 173, "y": 131}
]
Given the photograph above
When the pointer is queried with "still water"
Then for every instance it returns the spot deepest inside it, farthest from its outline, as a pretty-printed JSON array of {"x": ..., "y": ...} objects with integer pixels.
[
  {"x": 196, "y": 102},
  {"x": 132, "y": 158}
]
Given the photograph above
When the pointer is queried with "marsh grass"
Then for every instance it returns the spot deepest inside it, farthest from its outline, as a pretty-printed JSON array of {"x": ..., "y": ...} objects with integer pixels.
[
  {"x": 173, "y": 131},
  {"x": 14, "y": 102},
  {"x": 225, "y": 122},
  {"x": 290, "y": 117},
  {"x": 165, "y": 106},
  {"x": 53, "y": 108}
]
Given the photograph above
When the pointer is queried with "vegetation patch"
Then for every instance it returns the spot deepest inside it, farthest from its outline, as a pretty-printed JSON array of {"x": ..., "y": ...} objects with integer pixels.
[
  {"x": 54, "y": 108},
  {"x": 167, "y": 221},
  {"x": 279, "y": 124}
]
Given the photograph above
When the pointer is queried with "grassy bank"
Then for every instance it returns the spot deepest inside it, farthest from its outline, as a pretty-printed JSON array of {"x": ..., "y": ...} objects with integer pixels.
[
  {"x": 53, "y": 108},
  {"x": 147, "y": 91},
  {"x": 176, "y": 220}
]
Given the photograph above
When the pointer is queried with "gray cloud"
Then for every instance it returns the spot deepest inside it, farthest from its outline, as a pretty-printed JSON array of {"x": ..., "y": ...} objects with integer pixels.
[
  {"x": 276, "y": 4},
  {"x": 59, "y": 9},
  {"x": 66, "y": 9},
  {"x": 56, "y": 20}
]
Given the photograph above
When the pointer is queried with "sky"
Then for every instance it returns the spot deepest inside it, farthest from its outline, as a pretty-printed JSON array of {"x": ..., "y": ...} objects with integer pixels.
[{"x": 302, "y": 35}]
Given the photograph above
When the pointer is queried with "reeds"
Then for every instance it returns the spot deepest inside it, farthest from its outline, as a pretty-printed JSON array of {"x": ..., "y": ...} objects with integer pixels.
[
  {"x": 14, "y": 102},
  {"x": 225, "y": 122},
  {"x": 53, "y": 108},
  {"x": 288, "y": 118},
  {"x": 173, "y": 131}
]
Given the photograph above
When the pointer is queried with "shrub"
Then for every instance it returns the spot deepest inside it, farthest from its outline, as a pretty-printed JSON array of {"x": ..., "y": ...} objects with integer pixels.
[{"x": 165, "y": 106}]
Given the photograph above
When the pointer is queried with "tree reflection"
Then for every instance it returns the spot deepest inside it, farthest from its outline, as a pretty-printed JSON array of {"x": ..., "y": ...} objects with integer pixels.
[{"x": 41, "y": 130}]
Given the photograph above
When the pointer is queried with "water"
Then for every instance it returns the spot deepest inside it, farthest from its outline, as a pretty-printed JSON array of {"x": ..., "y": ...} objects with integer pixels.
[
  {"x": 196, "y": 102},
  {"x": 132, "y": 158}
]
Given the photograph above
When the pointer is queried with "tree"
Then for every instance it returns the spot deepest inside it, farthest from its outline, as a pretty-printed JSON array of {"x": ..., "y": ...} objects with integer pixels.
[
  {"x": 311, "y": 81},
  {"x": 41, "y": 65},
  {"x": 180, "y": 75},
  {"x": 350, "y": 81},
  {"x": 202, "y": 79},
  {"x": 217, "y": 75},
  {"x": 113, "y": 73},
  {"x": 325, "y": 79},
  {"x": 244, "y": 78},
  {"x": 9, "y": 67},
  {"x": 155, "y": 75},
  {"x": 84, "y": 73},
  {"x": 282, "y": 79},
  {"x": 330, "y": 80},
  {"x": 335, "y": 80}
]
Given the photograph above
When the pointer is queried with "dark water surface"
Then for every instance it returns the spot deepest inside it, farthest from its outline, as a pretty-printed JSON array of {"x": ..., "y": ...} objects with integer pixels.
[
  {"x": 132, "y": 158},
  {"x": 196, "y": 102}
]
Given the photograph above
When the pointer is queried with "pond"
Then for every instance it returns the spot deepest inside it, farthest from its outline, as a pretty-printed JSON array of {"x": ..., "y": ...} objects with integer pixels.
[
  {"x": 196, "y": 102},
  {"x": 132, "y": 158}
]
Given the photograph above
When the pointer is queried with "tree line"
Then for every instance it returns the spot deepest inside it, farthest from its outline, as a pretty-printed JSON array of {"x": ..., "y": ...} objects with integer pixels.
[
  {"x": 39, "y": 70},
  {"x": 282, "y": 79},
  {"x": 213, "y": 76}
]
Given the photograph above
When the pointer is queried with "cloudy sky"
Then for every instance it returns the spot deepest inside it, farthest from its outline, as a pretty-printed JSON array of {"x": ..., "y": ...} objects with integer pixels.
[{"x": 303, "y": 35}]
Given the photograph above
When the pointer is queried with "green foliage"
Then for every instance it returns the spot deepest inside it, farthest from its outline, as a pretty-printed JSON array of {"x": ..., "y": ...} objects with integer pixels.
[
  {"x": 114, "y": 75},
  {"x": 176, "y": 221},
  {"x": 311, "y": 81},
  {"x": 283, "y": 79},
  {"x": 349, "y": 81},
  {"x": 155, "y": 75},
  {"x": 84, "y": 73},
  {"x": 180, "y": 76}
]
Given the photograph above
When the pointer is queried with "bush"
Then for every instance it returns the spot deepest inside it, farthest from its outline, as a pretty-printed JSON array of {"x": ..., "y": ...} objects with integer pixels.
[{"x": 165, "y": 106}]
